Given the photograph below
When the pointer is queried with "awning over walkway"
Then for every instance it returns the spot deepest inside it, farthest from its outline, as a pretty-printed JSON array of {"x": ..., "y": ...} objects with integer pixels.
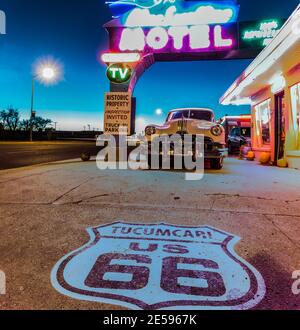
[{"x": 271, "y": 65}]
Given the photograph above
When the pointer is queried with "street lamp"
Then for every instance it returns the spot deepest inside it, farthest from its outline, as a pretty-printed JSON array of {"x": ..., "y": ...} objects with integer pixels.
[{"x": 47, "y": 72}]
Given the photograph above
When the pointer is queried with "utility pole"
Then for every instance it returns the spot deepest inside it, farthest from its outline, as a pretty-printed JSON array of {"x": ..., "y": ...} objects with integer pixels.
[{"x": 32, "y": 113}]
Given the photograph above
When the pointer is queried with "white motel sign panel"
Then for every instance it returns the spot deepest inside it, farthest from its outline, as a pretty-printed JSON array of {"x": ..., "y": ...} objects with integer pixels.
[{"x": 158, "y": 267}]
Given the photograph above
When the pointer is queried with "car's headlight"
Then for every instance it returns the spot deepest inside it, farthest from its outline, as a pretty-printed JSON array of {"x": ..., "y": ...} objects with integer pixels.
[
  {"x": 150, "y": 130},
  {"x": 216, "y": 130}
]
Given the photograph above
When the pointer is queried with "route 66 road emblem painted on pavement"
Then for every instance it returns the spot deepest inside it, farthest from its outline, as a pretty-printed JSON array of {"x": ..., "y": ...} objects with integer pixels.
[{"x": 159, "y": 266}]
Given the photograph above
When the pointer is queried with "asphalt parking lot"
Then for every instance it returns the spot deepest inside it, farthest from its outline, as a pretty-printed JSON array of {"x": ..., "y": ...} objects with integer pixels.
[{"x": 45, "y": 211}]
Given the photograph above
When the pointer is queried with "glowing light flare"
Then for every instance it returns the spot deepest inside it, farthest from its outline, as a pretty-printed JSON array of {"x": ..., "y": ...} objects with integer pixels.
[
  {"x": 48, "y": 71},
  {"x": 158, "y": 112}
]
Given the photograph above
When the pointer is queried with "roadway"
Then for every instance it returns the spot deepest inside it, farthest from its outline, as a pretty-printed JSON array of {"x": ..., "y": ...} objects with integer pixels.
[{"x": 19, "y": 154}]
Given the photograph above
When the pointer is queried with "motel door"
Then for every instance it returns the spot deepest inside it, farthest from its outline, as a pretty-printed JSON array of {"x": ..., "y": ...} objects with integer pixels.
[{"x": 279, "y": 126}]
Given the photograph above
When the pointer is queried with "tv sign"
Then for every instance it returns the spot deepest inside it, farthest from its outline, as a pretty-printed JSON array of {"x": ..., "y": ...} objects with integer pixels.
[
  {"x": 119, "y": 73},
  {"x": 173, "y": 26}
]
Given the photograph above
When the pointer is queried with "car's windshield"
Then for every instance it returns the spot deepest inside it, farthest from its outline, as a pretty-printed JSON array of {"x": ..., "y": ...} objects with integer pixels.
[
  {"x": 192, "y": 114},
  {"x": 178, "y": 115},
  {"x": 201, "y": 115},
  {"x": 246, "y": 132}
]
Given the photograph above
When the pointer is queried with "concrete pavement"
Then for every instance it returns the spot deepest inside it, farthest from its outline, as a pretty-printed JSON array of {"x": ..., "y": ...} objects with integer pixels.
[{"x": 45, "y": 210}]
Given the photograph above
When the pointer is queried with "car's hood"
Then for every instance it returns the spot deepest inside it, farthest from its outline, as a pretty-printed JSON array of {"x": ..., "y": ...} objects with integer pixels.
[
  {"x": 189, "y": 126},
  {"x": 204, "y": 124}
]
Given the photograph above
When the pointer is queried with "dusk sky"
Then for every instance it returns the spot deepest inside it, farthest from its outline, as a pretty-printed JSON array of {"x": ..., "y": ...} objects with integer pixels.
[{"x": 71, "y": 32}]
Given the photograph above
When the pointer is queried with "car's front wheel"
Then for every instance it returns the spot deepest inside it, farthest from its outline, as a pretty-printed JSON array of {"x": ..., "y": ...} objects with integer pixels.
[{"x": 216, "y": 163}]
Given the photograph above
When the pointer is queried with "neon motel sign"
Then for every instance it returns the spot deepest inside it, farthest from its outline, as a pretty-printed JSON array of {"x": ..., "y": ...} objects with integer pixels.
[{"x": 175, "y": 26}]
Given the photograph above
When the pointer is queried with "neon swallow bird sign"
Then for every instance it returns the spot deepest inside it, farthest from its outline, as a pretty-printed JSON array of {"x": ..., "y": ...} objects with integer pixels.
[
  {"x": 145, "y": 4},
  {"x": 119, "y": 7}
]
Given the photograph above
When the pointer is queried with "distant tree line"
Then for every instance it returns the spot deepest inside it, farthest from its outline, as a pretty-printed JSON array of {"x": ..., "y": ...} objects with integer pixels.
[{"x": 10, "y": 120}]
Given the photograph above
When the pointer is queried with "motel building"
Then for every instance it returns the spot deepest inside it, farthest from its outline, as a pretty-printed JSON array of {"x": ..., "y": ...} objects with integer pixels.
[{"x": 271, "y": 86}]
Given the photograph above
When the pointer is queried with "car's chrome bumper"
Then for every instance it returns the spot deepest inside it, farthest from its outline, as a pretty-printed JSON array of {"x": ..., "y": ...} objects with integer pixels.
[
  {"x": 217, "y": 153},
  {"x": 214, "y": 150}
]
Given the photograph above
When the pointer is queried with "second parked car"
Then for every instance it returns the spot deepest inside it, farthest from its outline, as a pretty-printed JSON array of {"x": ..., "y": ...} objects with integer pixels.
[{"x": 238, "y": 137}]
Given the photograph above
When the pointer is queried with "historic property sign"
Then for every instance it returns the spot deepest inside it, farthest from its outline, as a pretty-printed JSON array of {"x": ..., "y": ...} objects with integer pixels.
[{"x": 119, "y": 113}]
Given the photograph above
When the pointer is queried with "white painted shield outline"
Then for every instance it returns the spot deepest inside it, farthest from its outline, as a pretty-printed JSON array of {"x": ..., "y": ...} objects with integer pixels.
[{"x": 254, "y": 296}]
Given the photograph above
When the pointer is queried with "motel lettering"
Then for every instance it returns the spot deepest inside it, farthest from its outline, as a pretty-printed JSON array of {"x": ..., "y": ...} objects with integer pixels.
[{"x": 198, "y": 37}]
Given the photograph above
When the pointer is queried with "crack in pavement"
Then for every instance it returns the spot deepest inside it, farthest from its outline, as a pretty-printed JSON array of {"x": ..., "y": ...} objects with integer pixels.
[
  {"x": 93, "y": 197},
  {"x": 70, "y": 190},
  {"x": 281, "y": 231},
  {"x": 222, "y": 196}
]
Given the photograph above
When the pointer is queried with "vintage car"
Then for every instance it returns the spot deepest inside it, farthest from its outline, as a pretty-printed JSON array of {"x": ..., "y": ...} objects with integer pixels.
[
  {"x": 238, "y": 137},
  {"x": 195, "y": 121}
]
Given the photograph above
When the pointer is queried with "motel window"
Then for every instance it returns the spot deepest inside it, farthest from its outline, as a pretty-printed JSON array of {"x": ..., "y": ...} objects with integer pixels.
[
  {"x": 263, "y": 122},
  {"x": 295, "y": 95}
]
